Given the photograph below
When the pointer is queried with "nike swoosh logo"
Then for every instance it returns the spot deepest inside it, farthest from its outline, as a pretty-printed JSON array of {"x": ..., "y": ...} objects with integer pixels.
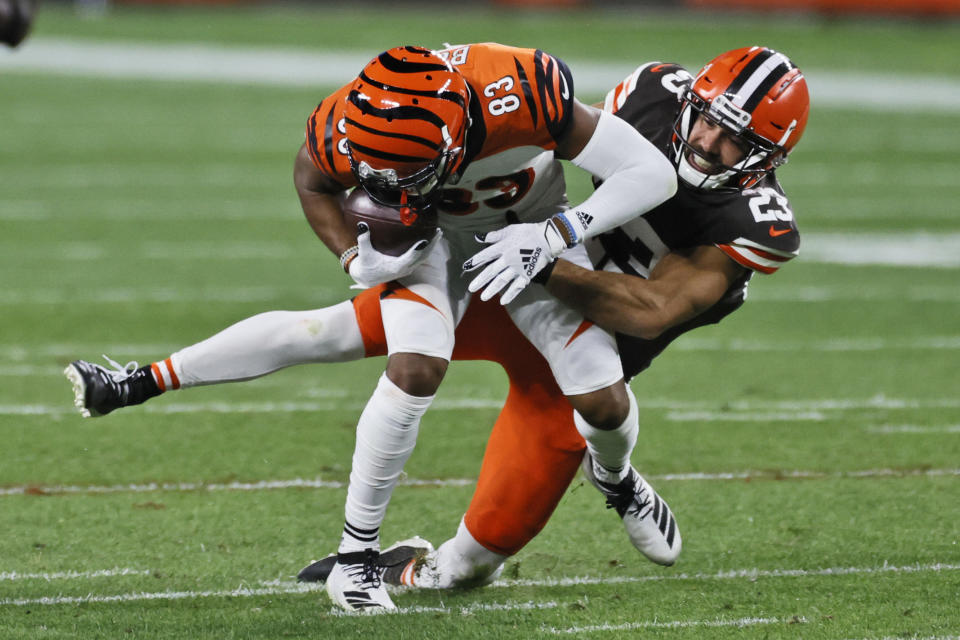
[{"x": 774, "y": 232}]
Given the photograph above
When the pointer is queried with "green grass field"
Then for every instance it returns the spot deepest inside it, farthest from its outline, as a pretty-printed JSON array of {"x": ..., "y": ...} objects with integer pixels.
[{"x": 810, "y": 445}]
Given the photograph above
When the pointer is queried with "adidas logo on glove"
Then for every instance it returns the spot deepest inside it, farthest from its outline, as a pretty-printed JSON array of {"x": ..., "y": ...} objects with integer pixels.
[{"x": 529, "y": 257}]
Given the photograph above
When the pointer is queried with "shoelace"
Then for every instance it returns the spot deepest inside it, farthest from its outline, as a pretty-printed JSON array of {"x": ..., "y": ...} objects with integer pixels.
[
  {"x": 368, "y": 572},
  {"x": 624, "y": 502},
  {"x": 120, "y": 372}
]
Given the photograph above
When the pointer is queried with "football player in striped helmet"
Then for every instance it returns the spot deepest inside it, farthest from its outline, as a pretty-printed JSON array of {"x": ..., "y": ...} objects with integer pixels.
[
  {"x": 472, "y": 133},
  {"x": 686, "y": 263},
  {"x": 403, "y": 146}
]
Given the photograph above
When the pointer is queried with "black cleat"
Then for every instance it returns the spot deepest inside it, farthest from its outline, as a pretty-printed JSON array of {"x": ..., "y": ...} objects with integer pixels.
[
  {"x": 395, "y": 561},
  {"x": 97, "y": 390}
]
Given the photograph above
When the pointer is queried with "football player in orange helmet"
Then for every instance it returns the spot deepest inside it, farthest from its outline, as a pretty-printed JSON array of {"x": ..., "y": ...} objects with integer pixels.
[
  {"x": 403, "y": 146},
  {"x": 686, "y": 264},
  {"x": 739, "y": 119}
]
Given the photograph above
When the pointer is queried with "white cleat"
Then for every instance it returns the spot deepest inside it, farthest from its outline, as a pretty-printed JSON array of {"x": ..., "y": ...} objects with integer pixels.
[
  {"x": 355, "y": 584},
  {"x": 397, "y": 563},
  {"x": 446, "y": 569},
  {"x": 646, "y": 517}
]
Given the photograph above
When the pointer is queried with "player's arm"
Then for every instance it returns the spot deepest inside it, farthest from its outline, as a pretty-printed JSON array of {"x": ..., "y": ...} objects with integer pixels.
[
  {"x": 636, "y": 178},
  {"x": 636, "y": 175},
  {"x": 681, "y": 286},
  {"x": 318, "y": 197},
  {"x": 367, "y": 266}
]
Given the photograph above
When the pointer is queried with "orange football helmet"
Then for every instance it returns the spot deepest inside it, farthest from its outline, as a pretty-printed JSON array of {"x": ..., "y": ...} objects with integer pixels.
[
  {"x": 406, "y": 121},
  {"x": 758, "y": 95}
]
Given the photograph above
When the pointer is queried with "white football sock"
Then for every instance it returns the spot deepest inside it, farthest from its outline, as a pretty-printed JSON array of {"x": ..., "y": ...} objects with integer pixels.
[
  {"x": 386, "y": 436},
  {"x": 611, "y": 449},
  {"x": 270, "y": 341},
  {"x": 459, "y": 562}
]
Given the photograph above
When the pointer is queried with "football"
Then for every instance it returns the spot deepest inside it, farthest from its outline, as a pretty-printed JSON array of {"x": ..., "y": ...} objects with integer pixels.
[{"x": 388, "y": 233}]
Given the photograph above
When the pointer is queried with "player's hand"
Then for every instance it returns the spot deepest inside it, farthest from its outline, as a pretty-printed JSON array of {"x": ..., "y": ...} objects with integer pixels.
[
  {"x": 371, "y": 267},
  {"x": 517, "y": 254}
]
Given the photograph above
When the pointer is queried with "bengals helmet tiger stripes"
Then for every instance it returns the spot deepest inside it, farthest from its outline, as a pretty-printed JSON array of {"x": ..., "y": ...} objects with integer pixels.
[
  {"x": 406, "y": 121},
  {"x": 757, "y": 94}
]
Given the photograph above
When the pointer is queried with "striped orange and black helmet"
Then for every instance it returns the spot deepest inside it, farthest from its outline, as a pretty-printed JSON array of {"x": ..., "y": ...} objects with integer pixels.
[
  {"x": 406, "y": 121},
  {"x": 759, "y": 96}
]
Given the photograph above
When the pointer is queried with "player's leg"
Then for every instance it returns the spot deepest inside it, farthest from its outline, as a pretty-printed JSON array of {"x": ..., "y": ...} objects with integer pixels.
[
  {"x": 248, "y": 349},
  {"x": 586, "y": 366},
  {"x": 418, "y": 325},
  {"x": 532, "y": 454}
]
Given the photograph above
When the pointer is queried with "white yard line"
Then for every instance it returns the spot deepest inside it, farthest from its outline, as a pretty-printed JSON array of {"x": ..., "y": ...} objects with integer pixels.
[
  {"x": 10, "y": 576},
  {"x": 806, "y": 475},
  {"x": 881, "y": 249},
  {"x": 441, "y": 404},
  {"x": 165, "y": 295},
  {"x": 275, "y": 587},
  {"x": 13, "y": 353},
  {"x": 466, "y": 609},
  {"x": 672, "y": 624},
  {"x": 271, "y": 66},
  {"x": 733, "y": 416},
  {"x": 829, "y": 345},
  {"x": 317, "y": 483},
  {"x": 888, "y": 429},
  {"x": 159, "y": 295},
  {"x": 263, "y": 485},
  {"x": 678, "y": 410},
  {"x": 913, "y": 637},
  {"x": 894, "y": 249},
  {"x": 733, "y": 574},
  {"x": 241, "y": 592}
]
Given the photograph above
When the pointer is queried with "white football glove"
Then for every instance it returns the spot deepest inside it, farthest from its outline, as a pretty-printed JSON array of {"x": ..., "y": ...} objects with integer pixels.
[
  {"x": 371, "y": 267},
  {"x": 518, "y": 253}
]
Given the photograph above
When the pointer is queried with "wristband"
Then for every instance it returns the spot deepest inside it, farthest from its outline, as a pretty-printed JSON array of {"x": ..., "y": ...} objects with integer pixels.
[
  {"x": 347, "y": 256},
  {"x": 567, "y": 232}
]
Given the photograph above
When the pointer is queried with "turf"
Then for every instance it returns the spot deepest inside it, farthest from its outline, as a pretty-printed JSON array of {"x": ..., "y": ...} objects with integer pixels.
[{"x": 808, "y": 444}]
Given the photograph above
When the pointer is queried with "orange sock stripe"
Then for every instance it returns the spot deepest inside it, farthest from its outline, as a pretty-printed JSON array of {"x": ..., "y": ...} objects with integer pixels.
[
  {"x": 157, "y": 376},
  {"x": 174, "y": 380}
]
